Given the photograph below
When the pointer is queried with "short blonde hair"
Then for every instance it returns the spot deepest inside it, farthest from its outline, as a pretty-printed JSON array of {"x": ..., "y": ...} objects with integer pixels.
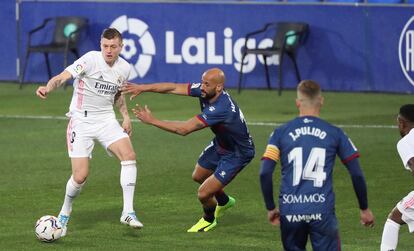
[
  {"x": 309, "y": 89},
  {"x": 111, "y": 33}
]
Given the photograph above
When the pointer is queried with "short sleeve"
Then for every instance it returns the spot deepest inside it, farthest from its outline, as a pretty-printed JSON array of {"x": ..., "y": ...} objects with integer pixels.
[
  {"x": 405, "y": 148},
  {"x": 194, "y": 89},
  {"x": 346, "y": 149},
  {"x": 81, "y": 65},
  {"x": 128, "y": 72},
  {"x": 211, "y": 115},
  {"x": 272, "y": 151}
]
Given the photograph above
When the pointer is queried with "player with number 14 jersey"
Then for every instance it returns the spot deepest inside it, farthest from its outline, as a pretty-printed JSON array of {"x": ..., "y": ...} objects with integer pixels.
[{"x": 308, "y": 146}]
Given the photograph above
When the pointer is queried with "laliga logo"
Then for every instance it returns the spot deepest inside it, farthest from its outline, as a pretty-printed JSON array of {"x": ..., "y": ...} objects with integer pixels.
[
  {"x": 406, "y": 50},
  {"x": 136, "y": 34}
]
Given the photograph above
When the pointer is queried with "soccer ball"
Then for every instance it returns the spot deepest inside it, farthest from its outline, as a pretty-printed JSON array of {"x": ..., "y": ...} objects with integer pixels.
[{"x": 48, "y": 228}]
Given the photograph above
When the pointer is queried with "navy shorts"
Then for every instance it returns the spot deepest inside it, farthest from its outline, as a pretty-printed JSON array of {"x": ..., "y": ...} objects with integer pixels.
[
  {"x": 322, "y": 229},
  {"x": 225, "y": 166}
]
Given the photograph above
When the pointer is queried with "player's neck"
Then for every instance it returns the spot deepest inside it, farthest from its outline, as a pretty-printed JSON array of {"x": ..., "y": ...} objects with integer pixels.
[
  {"x": 407, "y": 131},
  {"x": 309, "y": 112},
  {"x": 213, "y": 99},
  {"x": 111, "y": 63}
]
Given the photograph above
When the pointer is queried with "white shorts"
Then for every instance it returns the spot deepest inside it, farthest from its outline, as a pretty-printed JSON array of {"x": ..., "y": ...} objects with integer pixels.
[
  {"x": 406, "y": 207},
  {"x": 81, "y": 133}
]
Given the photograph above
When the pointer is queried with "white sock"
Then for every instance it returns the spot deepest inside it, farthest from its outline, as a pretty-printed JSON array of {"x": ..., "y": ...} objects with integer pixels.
[
  {"x": 127, "y": 180},
  {"x": 389, "y": 239},
  {"x": 72, "y": 191}
]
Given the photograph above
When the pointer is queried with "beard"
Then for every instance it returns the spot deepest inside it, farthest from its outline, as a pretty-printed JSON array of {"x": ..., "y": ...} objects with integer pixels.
[{"x": 207, "y": 96}]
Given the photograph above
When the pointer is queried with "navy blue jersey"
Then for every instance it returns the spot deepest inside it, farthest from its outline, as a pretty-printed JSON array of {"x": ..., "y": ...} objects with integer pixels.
[
  {"x": 227, "y": 122},
  {"x": 306, "y": 148}
]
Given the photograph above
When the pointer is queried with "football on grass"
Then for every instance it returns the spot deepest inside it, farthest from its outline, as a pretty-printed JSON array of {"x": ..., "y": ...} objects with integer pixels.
[{"x": 48, "y": 228}]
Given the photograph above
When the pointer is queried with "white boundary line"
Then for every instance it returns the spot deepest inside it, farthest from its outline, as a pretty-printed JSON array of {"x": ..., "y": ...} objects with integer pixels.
[{"x": 271, "y": 124}]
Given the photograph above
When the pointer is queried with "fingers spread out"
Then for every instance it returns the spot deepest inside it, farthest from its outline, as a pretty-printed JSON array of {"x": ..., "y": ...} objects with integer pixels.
[
  {"x": 132, "y": 96},
  {"x": 138, "y": 107},
  {"x": 137, "y": 110}
]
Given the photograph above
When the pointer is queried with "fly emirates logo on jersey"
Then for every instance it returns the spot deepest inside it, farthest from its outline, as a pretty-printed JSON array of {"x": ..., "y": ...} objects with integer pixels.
[{"x": 106, "y": 89}]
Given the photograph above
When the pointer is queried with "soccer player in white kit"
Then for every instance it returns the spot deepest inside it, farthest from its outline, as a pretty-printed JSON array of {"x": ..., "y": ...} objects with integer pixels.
[
  {"x": 98, "y": 76},
  {"x": 403, "y": 213}
]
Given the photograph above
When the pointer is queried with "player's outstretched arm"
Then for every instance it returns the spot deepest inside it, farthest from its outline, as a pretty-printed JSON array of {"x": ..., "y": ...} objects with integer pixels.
[
  {"x": 52, "y": 84},
  {"x": 164, "y": 87},
  {"x": 182, "y": 128}
]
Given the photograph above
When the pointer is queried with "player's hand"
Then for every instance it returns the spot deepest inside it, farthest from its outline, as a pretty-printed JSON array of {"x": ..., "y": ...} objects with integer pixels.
[
  {"x": 274, "y": 217},
  {"x": 367, "y": 218},
  {"x": 42, "y": 92},
  {"x": 143, "y": 113},
  {"x": 127, "y": 126},
  {"x": 134, "y": 89}
]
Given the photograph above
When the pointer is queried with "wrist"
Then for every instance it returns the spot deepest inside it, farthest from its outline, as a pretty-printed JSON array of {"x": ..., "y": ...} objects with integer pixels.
[{"x": 271, "y": 208}]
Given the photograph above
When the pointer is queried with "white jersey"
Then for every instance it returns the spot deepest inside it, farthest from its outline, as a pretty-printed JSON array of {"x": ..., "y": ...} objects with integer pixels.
[
  {"x": 96, "y": 84},
  {"x": 406, "y": 148}
]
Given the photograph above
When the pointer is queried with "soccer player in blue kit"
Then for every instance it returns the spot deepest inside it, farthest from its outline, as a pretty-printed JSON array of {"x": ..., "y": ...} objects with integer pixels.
[
  {"x": 307, "y": 147},
  {"x": 227, "y": 154}
]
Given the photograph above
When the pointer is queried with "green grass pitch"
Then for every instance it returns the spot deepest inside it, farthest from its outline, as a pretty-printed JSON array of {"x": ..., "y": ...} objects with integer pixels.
[{"x": 34, "y": 169}]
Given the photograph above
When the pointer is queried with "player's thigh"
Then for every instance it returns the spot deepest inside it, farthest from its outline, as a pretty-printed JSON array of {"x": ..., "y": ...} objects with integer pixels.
[
  {"x": 406, "y": 207},
  {"x": 208, "y": 159},
  {"x": 114, "y": 139},
  {"x": 324, "y": 233},
  {"x": 200, "y": 173},
  {"x": 123, "y": 149},
  {"x": 79, "y": 137},
  {"x": 294, "y": 234},
  {"x": 229, "y": 166}
]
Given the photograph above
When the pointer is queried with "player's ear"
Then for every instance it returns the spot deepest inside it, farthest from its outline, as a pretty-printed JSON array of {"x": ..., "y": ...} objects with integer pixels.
[
  {"x": 297, "y": 103},
  {"x": 322, "y": 100}
]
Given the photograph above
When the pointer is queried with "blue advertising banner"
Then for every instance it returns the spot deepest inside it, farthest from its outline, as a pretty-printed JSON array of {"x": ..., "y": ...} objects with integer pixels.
[
  {"x": 349, "y": 48},
  {"x": 8, "y": 49}
]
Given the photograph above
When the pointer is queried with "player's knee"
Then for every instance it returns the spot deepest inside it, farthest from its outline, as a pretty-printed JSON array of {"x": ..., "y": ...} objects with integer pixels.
[
  {"x": 130, "y": 155},
  {"x": 197, "y": 178},
  {"x": 79, "y": 178},
  {"x": 203, "y": 195},
  {"x": 395, "y": 215}
]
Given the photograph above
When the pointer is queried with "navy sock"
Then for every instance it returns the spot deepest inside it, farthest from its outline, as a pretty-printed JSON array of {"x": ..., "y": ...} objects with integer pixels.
[
  {"x": 221, "y": 198},
  {"x": 209, "y": 213}
]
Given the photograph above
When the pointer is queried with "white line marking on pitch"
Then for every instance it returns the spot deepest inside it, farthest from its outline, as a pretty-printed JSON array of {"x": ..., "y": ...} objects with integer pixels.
[{"x": 272, "y": 124}]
